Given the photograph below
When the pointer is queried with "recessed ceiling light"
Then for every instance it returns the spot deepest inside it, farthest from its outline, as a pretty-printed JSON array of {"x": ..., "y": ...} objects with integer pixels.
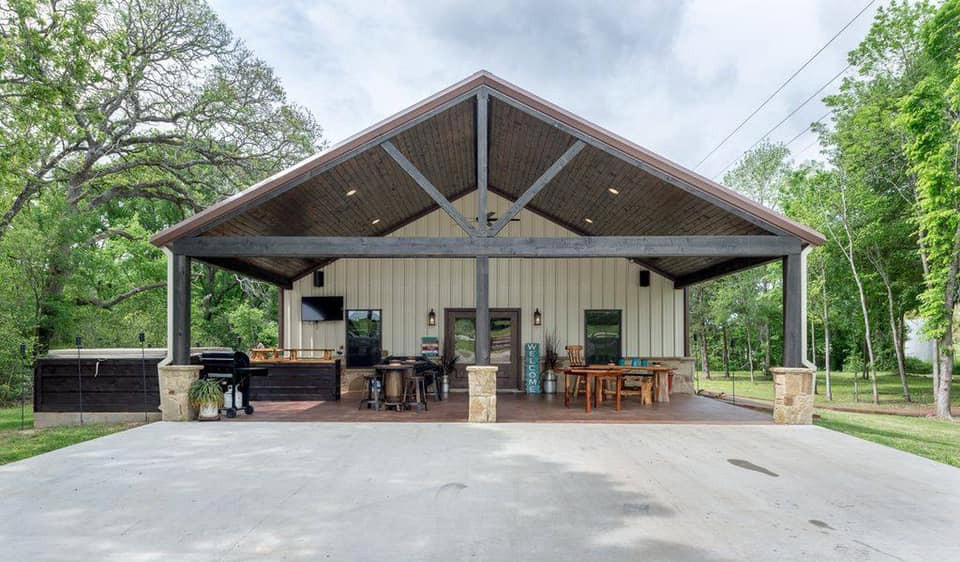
[
  {"x": 351, "y": 192},
  {"x": 590, "y": 221},
  {"x": 613, "y": 190},
  {"x": 375, "y": 221}
]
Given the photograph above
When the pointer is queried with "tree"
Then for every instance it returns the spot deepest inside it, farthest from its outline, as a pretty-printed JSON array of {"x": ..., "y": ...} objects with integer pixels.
[
  {"x": 930, "y": 114},
  {"x": 119, "y": 117}
]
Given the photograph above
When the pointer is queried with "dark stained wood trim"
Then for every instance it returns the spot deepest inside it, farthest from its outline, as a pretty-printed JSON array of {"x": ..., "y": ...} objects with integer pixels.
[
  {"x": 531, "y": 247},
  {"x": 428, "y": 187},
  {"x": 536, "y": 187},
  {"x": 181, "y": 282},
  {"x": 793, "y": 353}
]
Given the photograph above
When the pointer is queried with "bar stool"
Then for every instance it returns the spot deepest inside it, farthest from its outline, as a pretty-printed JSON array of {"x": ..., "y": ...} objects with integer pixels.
[
  {"x": 373, "y": 385},
  {"x": 415, "y": 392}
]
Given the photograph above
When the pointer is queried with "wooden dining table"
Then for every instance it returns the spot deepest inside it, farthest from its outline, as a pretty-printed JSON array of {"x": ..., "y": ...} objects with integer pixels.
[{"x": 596, "y": 374}]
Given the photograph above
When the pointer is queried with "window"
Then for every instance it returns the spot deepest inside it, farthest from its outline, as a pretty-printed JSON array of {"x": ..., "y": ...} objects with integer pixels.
[
  {"x": 364, "y": 330},
  {"x": 602, "y": 336}
]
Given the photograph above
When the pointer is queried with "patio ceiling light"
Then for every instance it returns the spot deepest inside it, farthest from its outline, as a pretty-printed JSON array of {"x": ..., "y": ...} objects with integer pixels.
[
  {"x": 589, "y": 221},
  {"x": 613, "y": 190},
  {"x": 375, "y": 221},
  {"x": 351, "y": 192}
]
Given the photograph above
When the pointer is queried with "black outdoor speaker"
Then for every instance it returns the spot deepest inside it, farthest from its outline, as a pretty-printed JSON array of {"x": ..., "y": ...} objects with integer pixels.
[
  {"x": 318, "y": 278},
  {"x": 644, "y": 278}
]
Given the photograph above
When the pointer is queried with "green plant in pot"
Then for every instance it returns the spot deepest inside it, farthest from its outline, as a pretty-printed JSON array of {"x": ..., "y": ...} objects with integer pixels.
[
  {"x": 206, "y": 395},
  {"x": 551, "y": 363},
  {"x": 448, "y": 364}
]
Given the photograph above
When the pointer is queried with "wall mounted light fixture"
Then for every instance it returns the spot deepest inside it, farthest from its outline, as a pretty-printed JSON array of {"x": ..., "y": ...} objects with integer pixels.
[
  {"x": 431, "y": 318},
  {"x": 537, "y": 318}
]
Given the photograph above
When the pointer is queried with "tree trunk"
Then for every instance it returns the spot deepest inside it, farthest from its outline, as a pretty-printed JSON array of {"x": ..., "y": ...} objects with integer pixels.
[
  {"x": 942, "y": 392},
  {"x": 704, "y": 355},
  {"x": 895, "y": 333},
  {"x": 766, "y": 348},
  {"x": 746, "y": 329},
  {"x": 726, "y": 352},
  {"x": 826, "y": 334},
  {"x": 813, "y": 352}
]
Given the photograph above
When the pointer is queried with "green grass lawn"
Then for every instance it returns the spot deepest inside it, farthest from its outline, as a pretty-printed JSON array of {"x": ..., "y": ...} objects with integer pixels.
[
  {"x": 16, "y": 444},
  {"x": 922, "y": 436},
  {"x": 891, "y": 393},
  {"x": 926, "y": 437}
]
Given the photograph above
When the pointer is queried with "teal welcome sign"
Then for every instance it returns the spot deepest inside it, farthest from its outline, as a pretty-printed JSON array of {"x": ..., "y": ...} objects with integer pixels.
[{"x": 531, "y": 367}]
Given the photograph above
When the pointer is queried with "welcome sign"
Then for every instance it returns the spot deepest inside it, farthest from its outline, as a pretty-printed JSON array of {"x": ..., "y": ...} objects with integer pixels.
[{"x": 531, "y": 367}]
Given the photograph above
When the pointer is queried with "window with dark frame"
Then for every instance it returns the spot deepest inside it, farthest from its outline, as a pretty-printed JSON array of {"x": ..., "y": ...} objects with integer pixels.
[
  {"x": 603, "y": 336},
  {"x": 364, "y": 337}
]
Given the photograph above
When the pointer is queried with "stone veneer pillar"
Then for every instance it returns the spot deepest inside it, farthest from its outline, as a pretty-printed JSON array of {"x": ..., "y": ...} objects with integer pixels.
[
  {"x": 483, "y": 393},
  {"x": 175, "y": 381},
  {"x": 793, "y": 395}
]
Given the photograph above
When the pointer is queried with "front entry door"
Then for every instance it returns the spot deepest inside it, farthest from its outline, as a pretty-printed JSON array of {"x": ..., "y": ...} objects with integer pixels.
[{"x": 460, "y": 327}]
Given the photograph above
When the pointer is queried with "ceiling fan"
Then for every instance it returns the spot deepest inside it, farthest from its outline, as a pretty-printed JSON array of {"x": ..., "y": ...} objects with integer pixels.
[{"x": 492, "y": 218}]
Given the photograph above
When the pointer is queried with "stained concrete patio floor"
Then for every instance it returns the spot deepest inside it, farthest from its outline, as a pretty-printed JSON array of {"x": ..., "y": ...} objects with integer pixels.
[{"x": 447, "y": 491}]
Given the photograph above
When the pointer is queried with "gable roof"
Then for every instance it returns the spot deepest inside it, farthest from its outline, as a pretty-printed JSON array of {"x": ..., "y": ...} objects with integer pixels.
[{"x": 527, "y": 134}]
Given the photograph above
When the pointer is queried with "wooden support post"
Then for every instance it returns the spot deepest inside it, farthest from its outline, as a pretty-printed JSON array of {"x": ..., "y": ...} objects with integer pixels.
[
  {"x": 483, "y": 311},
  {"x": 483, "y": 99},
  {"x": 180, "y": 281},
  {"x": 792, "y": 316}
]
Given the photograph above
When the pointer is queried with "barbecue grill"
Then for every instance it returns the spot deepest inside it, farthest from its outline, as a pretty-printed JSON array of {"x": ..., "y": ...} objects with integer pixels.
[{"x": 232, "y": 370}]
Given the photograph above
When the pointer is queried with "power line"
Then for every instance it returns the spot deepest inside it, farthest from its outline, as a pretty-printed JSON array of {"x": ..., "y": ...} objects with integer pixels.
[
  {"x": 782, "y": 86},
  {"x": 784, "y": 120},
  {"x": 810, "y": 126}
]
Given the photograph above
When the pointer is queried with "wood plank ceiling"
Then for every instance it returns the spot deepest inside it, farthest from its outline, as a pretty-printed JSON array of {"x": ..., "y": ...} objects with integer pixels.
[{"x": 522, "y": 147}]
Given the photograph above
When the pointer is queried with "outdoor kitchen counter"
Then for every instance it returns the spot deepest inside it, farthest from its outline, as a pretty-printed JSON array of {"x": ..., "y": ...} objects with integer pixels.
[{"x": 301, "y": 379}]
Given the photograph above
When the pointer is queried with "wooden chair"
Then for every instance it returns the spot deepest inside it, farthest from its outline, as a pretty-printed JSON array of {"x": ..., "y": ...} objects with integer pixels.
[{"x": 575, "y": 359}]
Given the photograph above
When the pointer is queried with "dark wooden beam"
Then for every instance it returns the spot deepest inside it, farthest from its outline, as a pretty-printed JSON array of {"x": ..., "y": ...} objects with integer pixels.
[
  {"x": 428, "y": 187},
  {"x": 483, "y": 311},
  {"x": 207, "y": 247},
  {"x": 536, "y": 187},
  {"x": 792, "y": 314},
  {"x": 483, "y": 157},
  {"x": 180, "y": 281},
  {"x": 721, "y": 269}
]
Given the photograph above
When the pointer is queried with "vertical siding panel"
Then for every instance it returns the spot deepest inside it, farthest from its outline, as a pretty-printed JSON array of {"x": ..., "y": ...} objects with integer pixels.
[
  {"x": 633, "y": 306},
  {"x": 656, "y": 316},
  {"x": 679, "y": 318},
  {"x": 620, "y": 302}
]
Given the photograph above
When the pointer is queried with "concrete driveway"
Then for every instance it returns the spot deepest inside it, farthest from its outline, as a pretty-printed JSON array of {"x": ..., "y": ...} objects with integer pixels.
[{"x": 498, "y": 492}]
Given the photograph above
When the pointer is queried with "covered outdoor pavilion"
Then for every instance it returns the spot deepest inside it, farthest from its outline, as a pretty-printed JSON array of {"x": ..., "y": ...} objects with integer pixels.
[{"x": 478, "y": 137}]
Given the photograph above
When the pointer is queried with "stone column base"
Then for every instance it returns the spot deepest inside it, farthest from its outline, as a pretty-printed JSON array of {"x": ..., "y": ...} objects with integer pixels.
[
  {"x": 793, "y": 398},
  {"x": 175, "y": 381},
  {"x": 483, "y": 393}
]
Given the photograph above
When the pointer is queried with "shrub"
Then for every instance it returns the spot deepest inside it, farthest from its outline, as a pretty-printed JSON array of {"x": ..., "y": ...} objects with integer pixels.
[{"x": 918, "y": 366}]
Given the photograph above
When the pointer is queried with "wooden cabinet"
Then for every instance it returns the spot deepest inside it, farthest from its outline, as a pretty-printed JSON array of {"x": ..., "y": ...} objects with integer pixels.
[{"x": 297, "y": 380}]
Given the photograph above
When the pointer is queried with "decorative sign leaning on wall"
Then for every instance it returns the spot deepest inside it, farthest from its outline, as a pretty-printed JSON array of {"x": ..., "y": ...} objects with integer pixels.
[{"x": 531, "y": 367}]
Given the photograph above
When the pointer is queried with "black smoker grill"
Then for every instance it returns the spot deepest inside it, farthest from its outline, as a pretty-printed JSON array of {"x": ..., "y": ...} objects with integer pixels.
[{"x": 231, "y": 369}]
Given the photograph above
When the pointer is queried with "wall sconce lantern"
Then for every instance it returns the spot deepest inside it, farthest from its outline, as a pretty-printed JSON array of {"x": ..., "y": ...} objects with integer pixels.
[
  {"x": 431, "y": 318},
  {"x": 537, "y": 318}
]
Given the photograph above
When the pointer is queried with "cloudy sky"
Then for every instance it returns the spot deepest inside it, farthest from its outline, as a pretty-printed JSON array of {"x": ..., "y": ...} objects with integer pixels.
[{"x": 674, "y": 76}]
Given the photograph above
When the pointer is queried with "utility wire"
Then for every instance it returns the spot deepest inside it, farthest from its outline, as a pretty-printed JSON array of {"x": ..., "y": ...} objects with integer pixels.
[
  {"x": 810, "y": 126},
  {"x": 782, "y": 86},
  {"x": 782, "y": 121}
]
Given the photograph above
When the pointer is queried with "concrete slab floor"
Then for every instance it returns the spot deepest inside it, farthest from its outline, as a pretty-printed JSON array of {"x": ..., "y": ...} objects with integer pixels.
[{"x": 445, "y": 491}]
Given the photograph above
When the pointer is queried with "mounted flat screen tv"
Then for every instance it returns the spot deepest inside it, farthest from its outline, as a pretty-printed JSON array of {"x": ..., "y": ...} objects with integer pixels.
[{"x": 321, "y": 309}]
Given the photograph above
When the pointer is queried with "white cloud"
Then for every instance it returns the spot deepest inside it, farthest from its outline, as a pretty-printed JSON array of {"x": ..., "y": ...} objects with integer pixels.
[{"x": 675, "y": 77}]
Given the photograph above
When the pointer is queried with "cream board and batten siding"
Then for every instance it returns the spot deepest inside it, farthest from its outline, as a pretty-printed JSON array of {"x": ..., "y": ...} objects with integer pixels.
[{"x": 405, "y": 289}]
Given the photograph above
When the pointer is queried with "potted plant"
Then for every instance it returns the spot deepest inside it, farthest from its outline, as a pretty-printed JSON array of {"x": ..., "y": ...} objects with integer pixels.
[
  {"x": 551, "y": 363},
  {"x": 206, "y": 395},
  {"x": 448, "y": 364}
]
